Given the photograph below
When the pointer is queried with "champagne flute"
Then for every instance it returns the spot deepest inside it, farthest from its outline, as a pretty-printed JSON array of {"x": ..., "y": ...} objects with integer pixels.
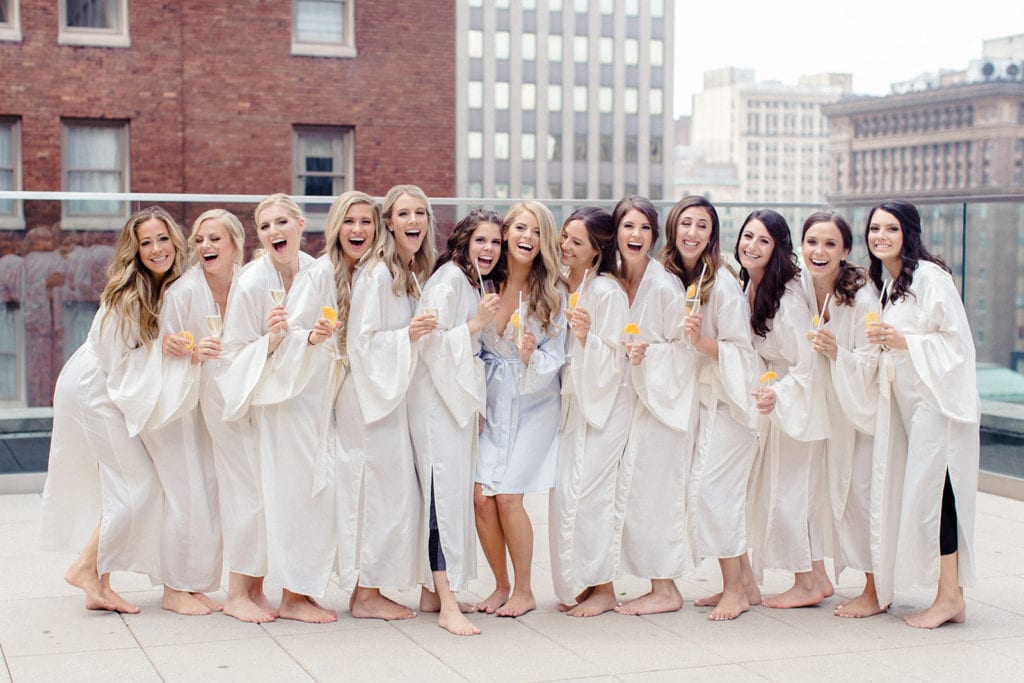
[
  {"x": 277, "y": 291},
  {"x": 215, "y": 325},
  {"x": 631, "y": 332}
]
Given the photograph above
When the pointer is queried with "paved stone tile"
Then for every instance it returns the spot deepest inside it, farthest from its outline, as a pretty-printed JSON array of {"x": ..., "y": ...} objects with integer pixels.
[
  {"x": 257, "y": 659},
  {"x": 18, "y": 538},
  {"x": 22, "y": 507},
  {"x": 841, "y": 667},
  {"x": 1011, "y": 647},
  {"x": 954, "y": 662},
  {"x": 731, "y": 673},
  {"x": 59, "y": 625},
  {"x": 1004, "y": 592},
  {"x": 108, "y": 665},
  {"x": 154, "y": 626}
]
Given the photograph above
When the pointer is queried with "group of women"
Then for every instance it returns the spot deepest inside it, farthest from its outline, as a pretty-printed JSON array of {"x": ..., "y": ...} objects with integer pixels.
[{"x": 373, "y": 413}]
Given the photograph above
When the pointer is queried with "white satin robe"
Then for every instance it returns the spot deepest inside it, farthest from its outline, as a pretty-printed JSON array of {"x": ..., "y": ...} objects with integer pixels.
[
  {"x": 380, "y": 505},
  {"x": 928, "y": 423},
  {"x": 790, "y": 525},
  {"x": 99, "y": 471},
  {"x": 726, "y": 438},
  {"x": 446, "y": 397},
  {"x": 657, "y": 542},
  {"x": 585, "y": 521}
]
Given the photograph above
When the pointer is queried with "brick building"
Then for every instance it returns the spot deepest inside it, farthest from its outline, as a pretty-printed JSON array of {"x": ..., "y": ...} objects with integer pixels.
[{"x": 248, "y": 97}]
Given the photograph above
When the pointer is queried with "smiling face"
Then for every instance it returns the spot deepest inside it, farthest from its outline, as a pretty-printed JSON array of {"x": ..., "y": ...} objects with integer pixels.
[
  {"x": 756, "y": 246},
  {"x": 485, "y": 246},
  {"x": 279, "y": 233},
  {"x": 357, "y": 232},
  {"x": 156, "y": 250},
  {"x": 885, "y": 239},
  {"x": 634, "y": 237},
  {"x": 693, "y": 233},
  {"x": 408, "y": 223},
  {"x": 523, "y": 238},
  {"x": 823, "y": 251},
  {"x": 578, "y": 253},
  {"x": 213, "y": 246}
]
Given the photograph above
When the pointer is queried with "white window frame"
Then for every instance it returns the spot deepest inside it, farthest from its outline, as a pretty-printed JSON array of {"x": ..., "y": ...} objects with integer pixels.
[
  {"x": 111, "y": 36},
  {"x": 344, "y": 50},
  {"x": 15, "y": 218},
  {"x": 343, "y": 153},
  {"x": 20, "y": 398},
  {"x": 10, "y": 30},
  {"x": 94, "y": 221}
]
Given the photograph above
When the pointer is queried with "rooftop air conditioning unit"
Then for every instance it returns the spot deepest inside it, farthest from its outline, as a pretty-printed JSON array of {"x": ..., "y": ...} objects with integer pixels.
[{"x": 995, "y": 70}]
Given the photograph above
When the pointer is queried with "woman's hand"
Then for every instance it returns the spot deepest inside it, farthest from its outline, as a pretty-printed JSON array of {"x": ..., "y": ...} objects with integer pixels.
[
  {"x": 421, "y": 326},
  {"x": 579, "y": 322},
  {"x": 823, "y": 342},
  {"x": 322, "y": 331},
  {"x": 176, "y": 346},
  {"x": 765, "y": 400},
  {"x": 527, "y": 345},
  {"x": 208, "y": 348},
  {"x": 277, "y": 320},
  {"x": 692, "y": 326},
  {"x": 484, "y": 313},
  {"x": 636, "y": 351},
  {"x": 885, "y": 334}
]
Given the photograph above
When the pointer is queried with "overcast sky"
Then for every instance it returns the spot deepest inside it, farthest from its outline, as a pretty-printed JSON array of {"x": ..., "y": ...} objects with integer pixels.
[{"x": 878, "y": 41}]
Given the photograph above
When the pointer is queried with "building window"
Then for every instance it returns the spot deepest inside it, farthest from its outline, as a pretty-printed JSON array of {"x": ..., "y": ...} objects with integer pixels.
[
  {"x": 476, "y": 189},
  {"x": 323, "y": 28},
  {"x": 475, "y": 145},
  {"x": 527, "y": 191},
  {"x": 657, "y": 8},
  {"x": 656, "y": 101},
  {"x": 579, "y": 50},
  {"x": 323, "y": 165},
  {"x": 12, "y": 350},
  {"x": 632, "y": 8},
  {"x": 101, "y": 23},
  {"x": 657, "y": 52},
  {"x": 502, "y": 45},
  {"x": 555, "y": 151},
  {"x": 606, "y": 48},
  {"x": 475, "y": 44},
  {"x": 554, "y": 98},
  {"x": 607, "y": 148},
  {"x": 555, "y": 190},
  {"x": 94, "y": 156},
  {"x": 528, "y": 97},
  {"x": 10, "y": 173},
  {"x": 475, "y": 94},
  {"x": 501, "y": 95},
  {"x": 630, "y": 100},
  {"x": 554, "y": 48},
  {"x": 580, "y": 152},
  {"x": 529, "y": 46},
  {"x": 528, "y": 146},
  {"x": 605, "y": 100},
  {"x": 579, "y": 98},
  {"x": 631, "y": 48},
  {"x": 607, "y": 6},
  {"x": 10, "y": 20},
  {"x": 501, "y": 146}
]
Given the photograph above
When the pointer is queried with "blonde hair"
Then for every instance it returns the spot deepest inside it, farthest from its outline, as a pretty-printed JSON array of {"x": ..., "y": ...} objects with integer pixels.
[
  {"x": 133, "y": 293},
  {"x": 332, "y": 247},
  {"x": 545, "y": 276},
  {"x": 278, "y": 199},
  {"x": 386, "y": 249},
  {"x": 235, "y": 231}
]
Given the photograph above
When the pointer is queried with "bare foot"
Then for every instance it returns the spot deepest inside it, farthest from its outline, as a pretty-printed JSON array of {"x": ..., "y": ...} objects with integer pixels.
[
  {"x": 304, "y": 608},
  {"x": 493, "y": 601},
  {"x": 580, "y": 597},
  {"x": 245, "y": 609},
  {"x": 260, "y": 598},
  {"x": 517, "y": 605},
  {"x": 946, "y": 611},
  {"x": 212, "y": 605},
  {"x": 752, "y": 593},
  {"x": 457, "y": 623},
  {"x": 822, "y": 583},
  {"x": 182, "y": 602},
  {"x": 97, "y": 597},
  {"x": 863, "y": 605},
  {"x": 369, "y": 603},
  {"x": 431, "y": 602},
  {"x": 730, "y": 605},
  {"x": 599, "y": 602},
  {"x": 655, "y": 602},
  {"x": 797, "y": 596},
  {"x": 117, "y": 603}
]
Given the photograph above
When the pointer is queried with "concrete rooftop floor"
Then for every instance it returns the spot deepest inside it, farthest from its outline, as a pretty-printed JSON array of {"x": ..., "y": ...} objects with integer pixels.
[{"x": 46, "y": 634}]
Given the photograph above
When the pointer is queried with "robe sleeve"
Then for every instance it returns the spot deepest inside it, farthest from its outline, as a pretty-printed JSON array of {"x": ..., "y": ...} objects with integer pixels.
[
  {"x": 801, "y": 407},
  {"x": 246, "y": 344},
  {"x": 382, "y": 360},
  {"x": 595, "y": 380},
  {"x": 547, "y": 359},
  {"x": 943, "y": 356},
  {"x": 133, "y": 374},
  {"x": 855, "y": 370},
  {"x": 179, "y": 389},
  {"x": 732, "y": 372}
]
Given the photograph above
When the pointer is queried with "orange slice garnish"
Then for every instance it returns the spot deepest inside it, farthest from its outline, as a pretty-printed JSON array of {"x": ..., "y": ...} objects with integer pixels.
[
  {"x": 329, "y": 313},
  {"x": 190, "y": 340},
  {"x": 631, "y": 328},
  {"x": 574, "y": 299},
  {"x": 768, "y": 377}
]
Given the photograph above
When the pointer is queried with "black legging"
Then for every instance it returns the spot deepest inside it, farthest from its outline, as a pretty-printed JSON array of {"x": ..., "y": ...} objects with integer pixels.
[
  {"x": 947, "y": 520},
  {"x": 434, "y": 552}
]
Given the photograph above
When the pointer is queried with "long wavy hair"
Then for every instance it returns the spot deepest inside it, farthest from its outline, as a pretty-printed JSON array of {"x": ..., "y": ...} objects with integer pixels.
[
  {"x": 230, "y": 222},
  {"x": 782, "y": 267},
  {"x": 600, "y": 227},
  {"x": 912, "y": 252},
  {"x": 332, "y": 248},
  {"x": 545, "y": 278},
  {"x": 133, "y": 293},
  {"x": 673, "y": 260},
  {"x": 386, "y": 249},
  {"x": 851, "y": 277},
  {"x": 458, "y": 248}
]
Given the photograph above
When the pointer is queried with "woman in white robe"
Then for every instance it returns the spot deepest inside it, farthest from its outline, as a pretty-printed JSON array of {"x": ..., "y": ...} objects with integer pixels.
[
  {"x": 584, "y": 519},
  {"x": 927, "y": 433},
  {"x": 788, "y": 499},
  {"x": 379, "y": 502},
  {"x": 718, "y": 326},
  {"x": 104, "y": 396},
  {"x": 656, "y": 541},
  {"x": 523, "y": 353},
  {"x": 841, "y": 299},
  {"x": 446, "y": 400},
  {"x": 265, "y": 383}
]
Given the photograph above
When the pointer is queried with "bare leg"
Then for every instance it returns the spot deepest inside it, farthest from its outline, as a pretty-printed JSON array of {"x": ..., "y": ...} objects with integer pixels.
[
  {"x": 304, "y": 608},
  {"x": 369, "y": 603},
  {"x": 492, "y": 540},
  {"x": 519, "y": 537},
  {"x": 734, "y": 599},
  {"x": 663, "y": 597},
  {"x": 601, "y": 600},
  {"x": 864, "y": 605},
  {"x": 451, "y": 617},
  {"x": 182, "y": 602},
  {"x": 82, "y": 574},
  {"x": 949, "y": 605},
  {"x": 804, "y": 593},
  {"x": 432, "y": 602},
  {"x": 240, "y": 603},
  {"x": 258, "y": 596},
  {"x": 747, "y": 580},
  {"x": 821, "y": 578}
]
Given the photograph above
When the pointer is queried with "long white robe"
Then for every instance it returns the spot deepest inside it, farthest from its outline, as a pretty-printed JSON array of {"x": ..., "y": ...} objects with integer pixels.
[
  {"x": 180, "y": 446},
  {"x": 789, "y": 524},
  {"x": 657, "y": 541},
  {"x": 89, "y": 429},
  {"x": 928, "y": 423},
  {"x": 381, "y": 536},
  {"x": 519, "y": 442},
  {"x": 446, "y": 396},
  {"x": 282, "y": 395},
  {"x": 584, "y": 520},
  {"x": 726, "y": 440}
]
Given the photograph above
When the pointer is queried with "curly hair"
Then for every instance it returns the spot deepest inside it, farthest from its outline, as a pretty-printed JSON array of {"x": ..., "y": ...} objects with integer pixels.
[
  {"x": 545, "y": 278},
  {"x": 781, "y": 269},
  {"x": 600, "y": 227},
  {"x": 912, "y": 252},
  {"x": 458, "y": 247},
  {"x": 851, "y": 277},
  {"x": 133, "y": 293},
  {"x": 386, "y": 249},
  {"x": 673, "y": 260},
  {"x": 332, "y": 248}
]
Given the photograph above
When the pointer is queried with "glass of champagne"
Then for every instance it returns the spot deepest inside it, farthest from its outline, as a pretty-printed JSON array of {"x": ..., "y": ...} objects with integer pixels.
[
  {"x": 215, "y": 325},
  {"x": 631, "y": 332},
  {"x": 277, "y": 290}
]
